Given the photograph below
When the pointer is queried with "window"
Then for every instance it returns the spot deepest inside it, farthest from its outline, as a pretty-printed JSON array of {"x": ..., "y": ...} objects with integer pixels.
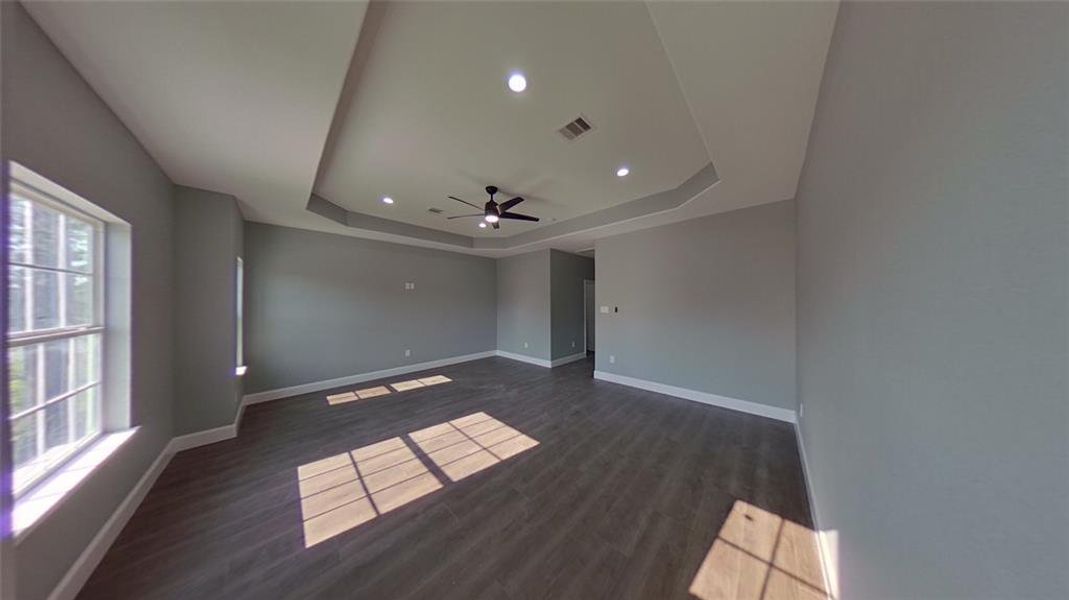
[
  {"x": 239, "y": 363},
  {"x": 55, "y": 332}
]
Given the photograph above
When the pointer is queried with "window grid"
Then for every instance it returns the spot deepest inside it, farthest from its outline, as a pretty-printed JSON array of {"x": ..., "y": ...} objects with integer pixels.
[{"x": 61, "y": 341}]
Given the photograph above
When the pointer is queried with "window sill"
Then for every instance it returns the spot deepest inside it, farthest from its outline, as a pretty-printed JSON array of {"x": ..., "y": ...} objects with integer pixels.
[{"x": 46, "y": 496}]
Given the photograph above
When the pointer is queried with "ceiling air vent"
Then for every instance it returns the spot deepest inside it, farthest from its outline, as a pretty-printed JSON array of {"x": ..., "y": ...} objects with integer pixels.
[
  {"x": 572, "y": 131},
  {"x": 436, "y": 211}
]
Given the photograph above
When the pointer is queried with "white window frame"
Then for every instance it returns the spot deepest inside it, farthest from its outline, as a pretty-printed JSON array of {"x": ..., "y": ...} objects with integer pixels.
[
  {"x": 96, "y": 327},
  {"x": 239, "y": 358}
]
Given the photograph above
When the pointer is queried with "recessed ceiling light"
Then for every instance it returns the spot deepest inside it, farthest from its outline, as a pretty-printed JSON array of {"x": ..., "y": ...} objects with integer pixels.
[
  {"x": 622, "y": 172},
  {"x": 387, "y": 200},
  {"x": 482, "y": 225},
  {"x": 517, "y": 82}
]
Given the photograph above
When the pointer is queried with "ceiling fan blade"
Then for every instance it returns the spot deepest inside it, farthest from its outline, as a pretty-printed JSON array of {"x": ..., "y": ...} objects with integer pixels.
[
  {"x": 465, "y": 216},
  {"x": 518, "y": 217},
  {"x": 496, "y": 225},
  {"x": 465, "y": 202},
  {"x": 510, "y": 203}
]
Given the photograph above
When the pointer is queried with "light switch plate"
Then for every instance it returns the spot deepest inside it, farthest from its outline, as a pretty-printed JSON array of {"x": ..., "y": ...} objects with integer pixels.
[{"x": 605, "y": 310}]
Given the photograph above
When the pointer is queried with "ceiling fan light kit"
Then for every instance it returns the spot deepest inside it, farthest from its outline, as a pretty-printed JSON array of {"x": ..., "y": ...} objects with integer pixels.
[{"x": 493, "y": 212}]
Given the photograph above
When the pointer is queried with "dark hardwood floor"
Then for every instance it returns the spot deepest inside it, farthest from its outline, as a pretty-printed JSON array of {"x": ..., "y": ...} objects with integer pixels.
[{"x": 623, "y": 496}]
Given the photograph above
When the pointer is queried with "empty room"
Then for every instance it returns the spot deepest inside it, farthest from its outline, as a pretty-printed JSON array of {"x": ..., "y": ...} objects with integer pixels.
[{"x": 503, "y": 299}]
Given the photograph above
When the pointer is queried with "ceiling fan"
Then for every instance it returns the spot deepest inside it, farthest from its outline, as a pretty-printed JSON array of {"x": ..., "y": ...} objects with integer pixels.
[{"x": 494, "y": 212}]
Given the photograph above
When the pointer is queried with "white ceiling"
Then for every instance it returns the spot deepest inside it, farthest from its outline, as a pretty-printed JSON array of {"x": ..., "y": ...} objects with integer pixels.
[
  {"x": 751, "y": 72},
  {"x": 432, "y": 116},
  {"x": 235, "y": 97},
  {"x": 240, "y": 98}
]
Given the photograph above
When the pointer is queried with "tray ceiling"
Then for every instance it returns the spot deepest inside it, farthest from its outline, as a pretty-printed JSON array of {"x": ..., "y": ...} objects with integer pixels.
[
  {"x": 333, "y": 105},
  {"x": 431, "y": 114}
]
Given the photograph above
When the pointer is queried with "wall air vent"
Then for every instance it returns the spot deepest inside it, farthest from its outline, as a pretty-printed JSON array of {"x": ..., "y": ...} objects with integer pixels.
[
  {"x": 436, "y": 211},
  {"x": 573, "y": 130}
]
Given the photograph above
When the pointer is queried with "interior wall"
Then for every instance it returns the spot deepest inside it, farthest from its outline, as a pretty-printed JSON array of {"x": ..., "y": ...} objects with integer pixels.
[
  {"x": 933, "y": 300},
  {"x": 54, "y": 124},
  {"x": 706, "y": 304},
  {"x": 322, "y": 306},
  {"x": 567, "y": 272},
  {"x": 523, "y": 304},
  {"x": 208, "y": 242}
]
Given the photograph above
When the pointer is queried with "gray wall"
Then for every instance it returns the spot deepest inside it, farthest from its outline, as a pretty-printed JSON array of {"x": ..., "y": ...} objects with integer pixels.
[
  {"x": 932, "y": 300},
  {"x": 707, "y": 304},
  {"x": 523, "y": 304},
  {"x": 54, "y": 124},
  {"x": 208, "y": 240},
  {"x": 567, "y": 272},
  {"x": 322, "y": 306}
]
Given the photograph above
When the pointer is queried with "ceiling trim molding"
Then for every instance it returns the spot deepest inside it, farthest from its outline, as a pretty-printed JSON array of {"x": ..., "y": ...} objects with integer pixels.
[
  {"x": 657, "y": 203},
  {"x": 369, "y": 32},
  {"x": 660, "y": 202},
  {"x": 355, "y": 220}
]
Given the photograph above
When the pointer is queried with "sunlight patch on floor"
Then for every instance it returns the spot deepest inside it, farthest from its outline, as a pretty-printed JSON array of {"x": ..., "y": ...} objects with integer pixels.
[
  {"x": 404, "y": 386},
  {"x": 382, "y": 390},
  {"x": 759, "y": 555},
  {"x": 373, "y": 392},
  {"x": 346, "y": 490},
  {"x": 435, "y": 380},
  {"x": 465, "y": 446},
  {"x": 341, "y": 492}
]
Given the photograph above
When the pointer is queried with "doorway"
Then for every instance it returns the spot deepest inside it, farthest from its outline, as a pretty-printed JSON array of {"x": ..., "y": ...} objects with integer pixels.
[{"x": 588, "y": 313}]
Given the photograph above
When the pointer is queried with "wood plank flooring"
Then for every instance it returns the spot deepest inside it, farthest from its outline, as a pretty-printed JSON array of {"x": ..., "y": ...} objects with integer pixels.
[{"x": 623, "y": 495}]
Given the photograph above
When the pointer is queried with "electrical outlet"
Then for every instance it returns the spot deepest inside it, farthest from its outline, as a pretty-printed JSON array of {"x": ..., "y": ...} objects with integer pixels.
[
  {"x": 408, "y": 353},
  {"x": 612, "y": 359},
  {"x": 410, "y": 285},
  {"x": 525, "y": 344}
]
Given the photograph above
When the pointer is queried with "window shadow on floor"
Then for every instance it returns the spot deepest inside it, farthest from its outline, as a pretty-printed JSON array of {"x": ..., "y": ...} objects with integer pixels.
[
  {"x": 762, "y": 556},
  {"x": 341, "y": 492},
  {"x": 386, "y": 390}
]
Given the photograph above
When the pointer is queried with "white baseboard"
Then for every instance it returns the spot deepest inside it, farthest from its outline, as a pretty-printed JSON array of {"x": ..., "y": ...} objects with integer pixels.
[
  {"x": 239, "y": 414},
  {"x": 203, "y": 438},
  {"x": 318, "y": 386},
  {"x": 549, "y": 364},
  {"x": 753, "y": 408},
  {"x": 541, "y": 362},
  {"x": 827, "y": 566},
  {"x": 567, "y": 359},
  {"x": 83, "y": 567}
]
